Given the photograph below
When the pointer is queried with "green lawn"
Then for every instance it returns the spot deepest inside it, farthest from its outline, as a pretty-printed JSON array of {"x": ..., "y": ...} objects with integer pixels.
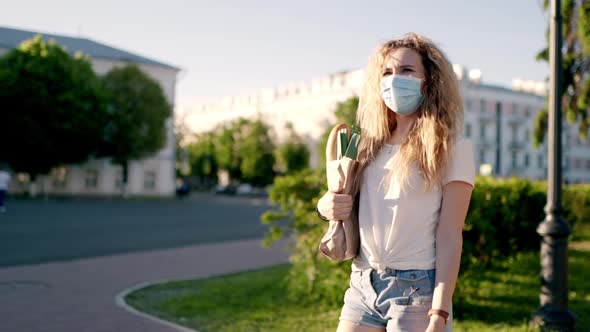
[{"x": 498, "y": 299}]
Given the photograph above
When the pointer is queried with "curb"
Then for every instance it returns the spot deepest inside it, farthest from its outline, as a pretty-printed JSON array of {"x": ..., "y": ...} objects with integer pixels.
[{"x": 120, "y": 300}]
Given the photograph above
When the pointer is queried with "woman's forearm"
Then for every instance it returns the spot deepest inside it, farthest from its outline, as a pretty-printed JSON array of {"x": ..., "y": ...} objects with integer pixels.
[
  {"x": 449, "y": 242},
  {"x": 448, "y": 259}
]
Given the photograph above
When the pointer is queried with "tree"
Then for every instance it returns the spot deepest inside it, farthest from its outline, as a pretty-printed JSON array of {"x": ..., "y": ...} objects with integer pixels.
[
  {"x": 137, "y": 114},
  {"x": 244, "y": 148},
  {"x": 53, "y": 107},
  {"x": 345, "y": 113},
  {"x": 576, "y": 68},
  {"x": 256, "y": 152},
  {"x": 293, "y": 155},
  {"x": 346, "y": 110},
  {"x": 182, "y": 135},
  {"x": 201, "y": 156},
  {"x": 227, "y": 146}
]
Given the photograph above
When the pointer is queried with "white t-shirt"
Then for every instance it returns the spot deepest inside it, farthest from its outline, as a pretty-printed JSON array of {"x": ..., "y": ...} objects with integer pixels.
[
  {"x": 398, "y": 229},
  {"x": 4, "y": 180}
]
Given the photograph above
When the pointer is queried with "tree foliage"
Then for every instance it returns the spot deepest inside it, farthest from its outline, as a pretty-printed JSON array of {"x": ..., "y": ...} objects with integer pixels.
[
  {"x": 502, "y": 216},
  {"x": 312, "y": 277},
  {"x": 245, "y": 149},
  {"x": 53, "y": 108},
  {"x": 257, "y": 154},
  {"x": 293, "y": 154},
  {"x": 345, "y": 112},
  {"x": 575, "y": 68},
  {"x": 201, "y": 156},
  {"x": 226, "y": 148},
  {"x": 182, "y": 135},
  {"x": 137, "y": 116}
]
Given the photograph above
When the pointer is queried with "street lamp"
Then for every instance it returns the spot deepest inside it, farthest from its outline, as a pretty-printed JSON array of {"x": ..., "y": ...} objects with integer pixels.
[{"x": 553, "y": 313}]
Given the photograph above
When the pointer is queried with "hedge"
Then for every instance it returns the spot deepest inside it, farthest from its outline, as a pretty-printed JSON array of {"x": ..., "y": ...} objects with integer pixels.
[{"x": 502, "y": 221}]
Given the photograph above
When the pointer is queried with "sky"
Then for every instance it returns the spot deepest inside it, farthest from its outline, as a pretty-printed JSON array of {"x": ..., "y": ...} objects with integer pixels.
[{"x": 228, "y": 48}]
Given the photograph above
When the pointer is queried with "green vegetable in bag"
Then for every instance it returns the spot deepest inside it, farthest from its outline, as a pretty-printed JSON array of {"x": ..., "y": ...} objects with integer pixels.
[{"x": 353, "y": 145}]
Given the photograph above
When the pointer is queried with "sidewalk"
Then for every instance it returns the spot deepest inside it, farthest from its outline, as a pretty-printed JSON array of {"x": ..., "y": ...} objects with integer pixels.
[{"x": 80, "y": 295}]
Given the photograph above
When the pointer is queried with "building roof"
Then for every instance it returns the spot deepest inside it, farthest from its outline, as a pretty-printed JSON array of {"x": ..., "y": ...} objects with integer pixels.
[
  {"x": 499, "y": 88},
  {"x": 10, "y": 38}
]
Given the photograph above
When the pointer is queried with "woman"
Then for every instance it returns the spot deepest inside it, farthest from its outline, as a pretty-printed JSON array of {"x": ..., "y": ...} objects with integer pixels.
[{"x": 415, "y": 180}]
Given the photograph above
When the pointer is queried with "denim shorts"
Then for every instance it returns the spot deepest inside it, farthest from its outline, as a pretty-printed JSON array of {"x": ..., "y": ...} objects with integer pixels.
[{"x": 397, "y": 300}]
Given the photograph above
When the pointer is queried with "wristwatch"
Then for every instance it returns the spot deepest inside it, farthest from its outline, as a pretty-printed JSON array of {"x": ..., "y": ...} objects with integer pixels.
[{"x": 439, "y": 312}]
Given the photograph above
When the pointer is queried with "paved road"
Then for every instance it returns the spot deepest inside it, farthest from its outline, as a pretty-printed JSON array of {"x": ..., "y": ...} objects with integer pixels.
[
  {"x": 65, "y": 261},
  {"x": 79, "y": 296},
  {"x": 37, "y": 231}
]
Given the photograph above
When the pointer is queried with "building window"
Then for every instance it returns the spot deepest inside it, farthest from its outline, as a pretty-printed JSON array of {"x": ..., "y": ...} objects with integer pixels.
[
  {"x": 514, "y": 159},
  {"x": 482, "y": 156},
  {"x": 514, "y": 108},
  {"x": 588, "y": 164},
  {"x": 468, "y": 130},
  {"x": 527, "y": 111},
  {"x": 482, "y": 130},
  {"x": 59, "y": 176},
  {"x": 91, "y": 178},
  {"x": 149, "y": 180},
  {"x": 526, "y": 160},
  {"x": 577, "y": 163},
  {"x": 483, "y": 106},
  {"x": 540, "y": 161},
  {"x": 468, "y": 104},
  {"x": 514, "y": 131}
]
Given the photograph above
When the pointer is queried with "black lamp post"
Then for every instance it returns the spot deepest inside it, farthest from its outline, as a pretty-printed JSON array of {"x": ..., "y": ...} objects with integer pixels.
[{"x": 553, "y": 314}]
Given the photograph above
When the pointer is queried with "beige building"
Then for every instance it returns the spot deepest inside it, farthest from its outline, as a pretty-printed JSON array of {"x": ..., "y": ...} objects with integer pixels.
[
  {"x": 153, "y": 176},
  {"x": 498, "y": 120}
]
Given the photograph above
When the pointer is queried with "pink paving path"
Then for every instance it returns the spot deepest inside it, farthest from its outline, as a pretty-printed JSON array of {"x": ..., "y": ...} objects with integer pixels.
[{"x": 80, "y": 295}]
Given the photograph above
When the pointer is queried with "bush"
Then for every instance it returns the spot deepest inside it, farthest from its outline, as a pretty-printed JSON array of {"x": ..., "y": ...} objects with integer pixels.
[
  {"x": 576, "y": 203},
  {"x": 501, "y": 222},
  {"x": 312, "y": 277}
]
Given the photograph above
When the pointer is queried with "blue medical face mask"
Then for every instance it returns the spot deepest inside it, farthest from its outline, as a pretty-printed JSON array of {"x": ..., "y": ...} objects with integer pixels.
[{"x": 401, "y": 93}]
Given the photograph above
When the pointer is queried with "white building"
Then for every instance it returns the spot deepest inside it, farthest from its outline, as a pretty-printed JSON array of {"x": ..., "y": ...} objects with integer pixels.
[
  {"x": 498, "y": 120},
  {"x": 153, "y": 176}
]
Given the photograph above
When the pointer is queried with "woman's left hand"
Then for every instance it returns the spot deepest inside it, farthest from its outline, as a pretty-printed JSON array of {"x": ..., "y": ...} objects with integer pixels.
[{"x": 437, "y": 324}]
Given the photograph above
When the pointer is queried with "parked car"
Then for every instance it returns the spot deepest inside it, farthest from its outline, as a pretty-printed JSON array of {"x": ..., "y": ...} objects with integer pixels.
[
  {"x": 225, "y": 189},
  {"x": 245, "y": 189}
]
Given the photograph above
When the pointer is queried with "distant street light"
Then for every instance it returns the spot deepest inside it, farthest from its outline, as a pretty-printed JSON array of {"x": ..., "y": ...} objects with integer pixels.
[{"x": 553, "y": 314}]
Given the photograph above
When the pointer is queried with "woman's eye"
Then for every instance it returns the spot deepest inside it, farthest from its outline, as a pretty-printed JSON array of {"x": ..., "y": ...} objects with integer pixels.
[
  {"x": 407, "y": 70},
  {"x": 385, "y": 73}
]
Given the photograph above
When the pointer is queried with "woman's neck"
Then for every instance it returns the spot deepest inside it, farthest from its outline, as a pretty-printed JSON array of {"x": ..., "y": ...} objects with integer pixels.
[{"x": 404, "y": 124}]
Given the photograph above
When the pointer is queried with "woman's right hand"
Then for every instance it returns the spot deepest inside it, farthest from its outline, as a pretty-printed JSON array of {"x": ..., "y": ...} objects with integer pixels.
[{"x": 335, "y": 206}]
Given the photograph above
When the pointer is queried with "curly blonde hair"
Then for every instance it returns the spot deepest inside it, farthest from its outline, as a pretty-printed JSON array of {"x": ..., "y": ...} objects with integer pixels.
[{"x": 439, "y": 117}]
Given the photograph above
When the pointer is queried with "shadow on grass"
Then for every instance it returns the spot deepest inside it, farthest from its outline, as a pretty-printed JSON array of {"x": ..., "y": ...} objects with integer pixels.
[{"x": 501, "y": 294}]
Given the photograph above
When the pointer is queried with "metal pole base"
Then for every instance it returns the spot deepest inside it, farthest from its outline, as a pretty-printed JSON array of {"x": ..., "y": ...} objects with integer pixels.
[{"x": 550, "y": 318}]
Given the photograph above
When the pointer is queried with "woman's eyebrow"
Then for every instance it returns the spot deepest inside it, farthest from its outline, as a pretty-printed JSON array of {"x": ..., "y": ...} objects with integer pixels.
[{"x": 388, "y": 67}]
